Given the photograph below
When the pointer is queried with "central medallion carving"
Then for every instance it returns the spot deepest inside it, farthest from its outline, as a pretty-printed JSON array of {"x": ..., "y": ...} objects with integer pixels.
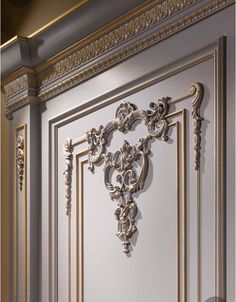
[{"x": 124, "y": 162}]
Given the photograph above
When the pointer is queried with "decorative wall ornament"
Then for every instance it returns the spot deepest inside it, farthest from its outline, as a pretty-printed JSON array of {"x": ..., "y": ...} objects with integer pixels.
[
  {"x": 68, "y": 155},
  {"x": 123, "y": 163},
  {"x": 20, "y": 160},
  {"x": 197, "y": 90}
]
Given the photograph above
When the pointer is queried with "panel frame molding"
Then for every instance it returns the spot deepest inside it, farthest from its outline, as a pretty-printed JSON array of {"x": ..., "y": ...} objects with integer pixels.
[
  {"x": 21, "y": 190},
  {"x": 218, "y": 55}
]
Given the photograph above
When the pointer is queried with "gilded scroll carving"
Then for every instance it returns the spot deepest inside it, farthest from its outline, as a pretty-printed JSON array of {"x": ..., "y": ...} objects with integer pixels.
[
  {"x": 197, "y": 90},
  {"x": 124, "y": 161},
  {"x": 129, "y": 165},
  {"x": 20, "y": 160},
  {"x": 68, "y": 155},
  {"x": 129, "y": 182}
]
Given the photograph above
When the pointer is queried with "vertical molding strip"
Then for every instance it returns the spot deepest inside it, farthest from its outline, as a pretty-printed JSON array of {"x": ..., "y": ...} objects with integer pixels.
[{"x": 17, "y": 188}]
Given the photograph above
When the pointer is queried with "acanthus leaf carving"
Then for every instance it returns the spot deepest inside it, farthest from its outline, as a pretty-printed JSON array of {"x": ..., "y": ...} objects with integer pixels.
[{"x": 128, "y": 180}]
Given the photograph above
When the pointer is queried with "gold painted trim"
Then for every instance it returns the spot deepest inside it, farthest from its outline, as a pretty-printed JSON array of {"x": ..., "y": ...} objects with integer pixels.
[
  {"x": 79, "y": 211},
  {"x": 59, "y": 122},
  {"x": 100, "y": 32},
  {"x": 57, "y": 19},
  {"x": 16, "y": 192},
  {"x": 12, "y": 41},
  {"x": 79, "y": 227},
  {"x": 67, "y": 65},
  {"x": 44, "y": 27}
]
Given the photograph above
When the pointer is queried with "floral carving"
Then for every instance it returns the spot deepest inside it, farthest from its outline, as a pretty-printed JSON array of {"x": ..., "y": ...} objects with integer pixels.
[
  {"x": 128, "y": 180},
  {"x": 20, "y": 159},
  {"x": 124, "y": 161},
  {"x": 68, "y": 149}
]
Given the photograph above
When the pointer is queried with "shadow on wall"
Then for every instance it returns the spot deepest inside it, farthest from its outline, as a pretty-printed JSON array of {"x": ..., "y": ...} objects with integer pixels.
[{"x": 13, "y": 13}]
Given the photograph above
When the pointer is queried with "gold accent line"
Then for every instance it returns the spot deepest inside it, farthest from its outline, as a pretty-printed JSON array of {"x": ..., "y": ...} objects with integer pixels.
[
  {"x": 79, "y": 141},
  {"x": 174, "y": 113},
  {"x": 69, "y": 257},
  {"x": 100, "y": 32},
  {"x": 184, "y": 200},
  {"x": 79, "y": 228},
  {"x": 176, "y": 124},
  {"x": 15, "y": 252},
  {"x": 221, "y": 43},
  {"x": 17, "y": 129},
  {"x": 215, "y": 168},
  {"x": 182, "y": 99},
  {"x": 12, "y": 40},
  {"x": 198, "y": 235},
  {"x": 136, "y": 88},
  {"x": 184, "y": 209},
  {"x": 44, "y": 27},
  {"x": 54, "y": 21},
  {"x": 178, "y": 211}
]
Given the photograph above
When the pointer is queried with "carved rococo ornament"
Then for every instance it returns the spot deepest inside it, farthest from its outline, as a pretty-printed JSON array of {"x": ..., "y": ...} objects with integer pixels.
[
  {"x": 20, "y": 160},
  {"x": 123, "y": 163}
]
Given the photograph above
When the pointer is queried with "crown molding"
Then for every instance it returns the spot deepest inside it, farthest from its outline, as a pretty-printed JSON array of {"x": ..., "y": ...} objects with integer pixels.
[
  {"x": 107, "y": 49},
  {"x": 20, "y": 91}
]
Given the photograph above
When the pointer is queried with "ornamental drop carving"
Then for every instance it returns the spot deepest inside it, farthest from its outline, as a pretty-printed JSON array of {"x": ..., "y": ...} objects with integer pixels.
[{"x": 20, "y": 160}]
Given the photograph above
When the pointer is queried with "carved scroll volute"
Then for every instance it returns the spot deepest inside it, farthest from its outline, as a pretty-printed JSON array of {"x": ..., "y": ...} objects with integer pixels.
[
  {"x": 158, "y": 125},
  {"x": 68, "y": 155},
  {"x": 20, "y": 160},
  {"x": 197, "y": 90}
]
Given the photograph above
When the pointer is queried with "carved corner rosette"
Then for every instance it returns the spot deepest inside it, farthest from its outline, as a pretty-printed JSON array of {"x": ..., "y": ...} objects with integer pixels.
[
  {"x": 68, "y": 155},
  {"x": 20, "y": 160},
  {"x": 123, "y": 162}
]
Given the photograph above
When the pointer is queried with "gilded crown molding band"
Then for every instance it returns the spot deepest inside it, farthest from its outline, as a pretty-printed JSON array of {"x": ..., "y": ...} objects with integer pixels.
[
  {"x": 124, "y": 162},
  {"x": 20, "y": 160},
  {"x": 107, "y": 42},
  {"x": 76, "y": 67}
]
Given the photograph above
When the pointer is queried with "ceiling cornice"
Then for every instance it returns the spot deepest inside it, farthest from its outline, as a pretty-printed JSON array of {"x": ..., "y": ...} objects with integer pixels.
[{"x": 144, "y": 27}]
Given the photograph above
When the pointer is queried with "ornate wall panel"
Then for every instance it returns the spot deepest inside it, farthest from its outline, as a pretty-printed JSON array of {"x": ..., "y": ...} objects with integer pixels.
[
  {"x": 122, "y": 155},
  {"x": 165, "y": 239}
]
